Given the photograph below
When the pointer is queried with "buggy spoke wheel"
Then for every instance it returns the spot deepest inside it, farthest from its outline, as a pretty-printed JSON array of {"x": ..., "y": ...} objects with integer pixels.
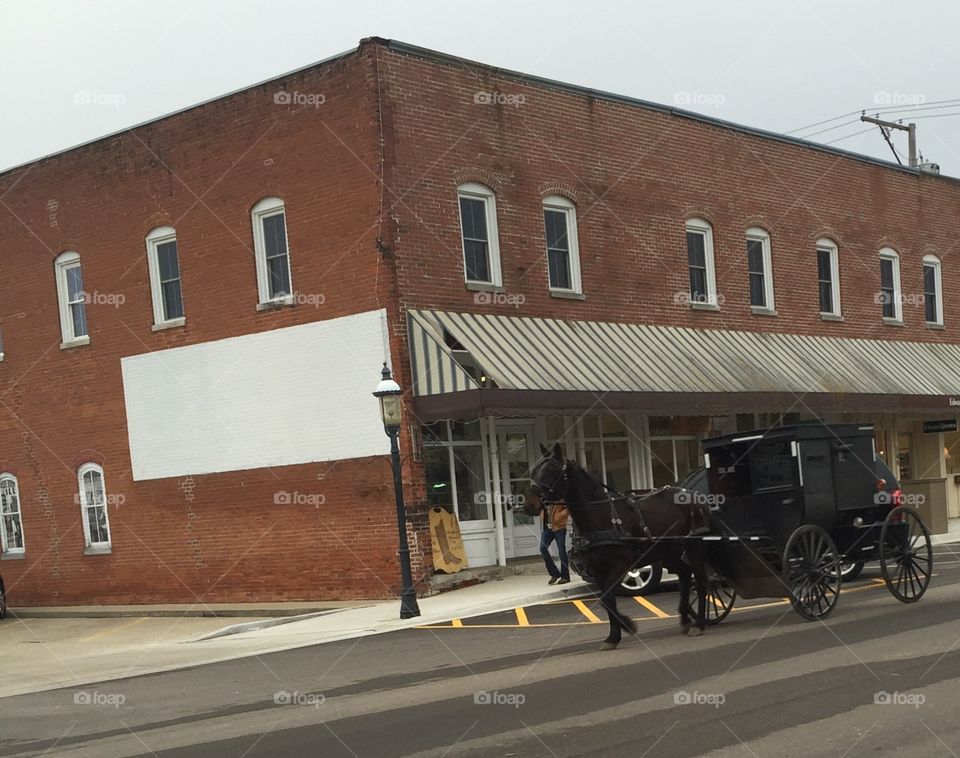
[
  {"x": 906, "y": 554},
  {"x": 811, "y": 568},
  {"x": 720, "y": 599}
]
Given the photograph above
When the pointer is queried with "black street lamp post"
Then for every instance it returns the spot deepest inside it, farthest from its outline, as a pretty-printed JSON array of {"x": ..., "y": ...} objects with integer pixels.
[{"x": 388, "y": 392}]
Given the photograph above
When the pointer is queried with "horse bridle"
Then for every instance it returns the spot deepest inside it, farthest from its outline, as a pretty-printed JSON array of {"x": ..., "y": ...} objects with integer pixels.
[{"x": 550, "y": 489}]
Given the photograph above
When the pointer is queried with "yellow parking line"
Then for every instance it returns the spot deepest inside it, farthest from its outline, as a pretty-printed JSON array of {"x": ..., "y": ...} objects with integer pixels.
[
  {"x": 590, "y": 615},
  {"x": 456, "y": 622},
  {"x": 651, "y": 607},
  {"x": 521, "y": 617},
  {"x": 115, "y": 629}
]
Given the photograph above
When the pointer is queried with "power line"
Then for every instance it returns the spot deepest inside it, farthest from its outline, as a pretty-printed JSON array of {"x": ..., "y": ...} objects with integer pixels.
[
  {"x": 847, "y": 136},
  {"x": 829, "y": 128},
  {"x": 882, "y": 109}
]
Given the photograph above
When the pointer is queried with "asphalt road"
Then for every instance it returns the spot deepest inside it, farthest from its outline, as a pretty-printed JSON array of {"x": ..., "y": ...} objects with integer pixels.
[{"x": 878, "y": 677}]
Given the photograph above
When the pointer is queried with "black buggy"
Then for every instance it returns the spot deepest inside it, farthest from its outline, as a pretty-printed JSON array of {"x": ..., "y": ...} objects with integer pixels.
[{"x": 790, "y": 506}]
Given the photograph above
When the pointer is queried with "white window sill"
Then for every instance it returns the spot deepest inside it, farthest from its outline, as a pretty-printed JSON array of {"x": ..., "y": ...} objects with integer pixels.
[
  {"x": 98, "y": 550},
  {"x": 280, "y": 302},
  {"x": 484, "y": 287},
  {"x": 171, "y": 324},
  {"x": 892, "y": 321},
  {"x": 79, "y": 342},
  {"x": 704, "y": 306},
  {"x": 930, "y": 325},
  {"x": 762, "y": 310},
  {"x": 567, "y": 294},
  {"x": 1, "y": 357},
  {"x": 18, "y": 556},
  {"x": 830, "y": 316}
]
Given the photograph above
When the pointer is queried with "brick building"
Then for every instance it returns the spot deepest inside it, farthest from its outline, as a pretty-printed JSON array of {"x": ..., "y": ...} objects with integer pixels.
[{"x": 204, "y": 302}]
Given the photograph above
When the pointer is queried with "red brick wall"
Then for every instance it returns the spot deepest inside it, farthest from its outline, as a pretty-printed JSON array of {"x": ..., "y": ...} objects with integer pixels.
[
  {"x": 215, "y": 537},
  {"x": 636, "y": 174}
]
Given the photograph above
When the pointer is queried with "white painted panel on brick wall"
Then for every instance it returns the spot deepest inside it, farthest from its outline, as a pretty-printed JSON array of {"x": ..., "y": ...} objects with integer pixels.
[{"x": 294, "y": 395}]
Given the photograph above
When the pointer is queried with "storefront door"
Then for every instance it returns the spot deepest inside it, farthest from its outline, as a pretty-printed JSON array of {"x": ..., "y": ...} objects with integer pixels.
[{"x": 521, "y": 533}]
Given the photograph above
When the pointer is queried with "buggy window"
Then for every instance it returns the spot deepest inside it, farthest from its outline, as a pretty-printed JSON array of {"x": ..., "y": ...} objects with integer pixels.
[{"x": 771, "y": 466}]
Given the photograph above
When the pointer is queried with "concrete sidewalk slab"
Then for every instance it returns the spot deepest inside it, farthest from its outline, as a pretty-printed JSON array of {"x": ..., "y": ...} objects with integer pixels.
[{"x": 173, "y": 610}]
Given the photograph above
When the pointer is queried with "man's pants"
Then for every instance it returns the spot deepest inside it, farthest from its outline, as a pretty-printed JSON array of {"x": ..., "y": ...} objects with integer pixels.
[{"x": 560, "y": 537}]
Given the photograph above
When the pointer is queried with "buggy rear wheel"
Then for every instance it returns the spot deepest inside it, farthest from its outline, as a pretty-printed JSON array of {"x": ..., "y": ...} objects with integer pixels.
[
  {"x": 906, "y": 555},
  {"x": 720, "y": 599},
  {"x": 811, "y": 571}
]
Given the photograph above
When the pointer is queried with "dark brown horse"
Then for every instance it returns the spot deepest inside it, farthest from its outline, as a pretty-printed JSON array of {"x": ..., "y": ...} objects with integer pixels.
[{"x": 661, "y": 519}]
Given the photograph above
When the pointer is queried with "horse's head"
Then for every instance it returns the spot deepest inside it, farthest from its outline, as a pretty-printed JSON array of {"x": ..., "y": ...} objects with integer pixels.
[{"x": 548, "y": 481}]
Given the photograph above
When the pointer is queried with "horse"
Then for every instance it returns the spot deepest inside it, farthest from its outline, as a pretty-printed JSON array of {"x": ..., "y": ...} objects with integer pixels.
[{"x": 608, "y": 524}]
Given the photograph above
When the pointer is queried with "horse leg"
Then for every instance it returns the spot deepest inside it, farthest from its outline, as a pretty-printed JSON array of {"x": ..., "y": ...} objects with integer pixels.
[
  {"x": 684, "y": 610},
  {"x": 702, "y": 583},
  {"x": 618, "y": 622}
]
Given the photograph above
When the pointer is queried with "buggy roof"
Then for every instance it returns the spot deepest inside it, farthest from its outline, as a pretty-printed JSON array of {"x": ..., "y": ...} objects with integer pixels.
[{"x": 810, "y": 430}]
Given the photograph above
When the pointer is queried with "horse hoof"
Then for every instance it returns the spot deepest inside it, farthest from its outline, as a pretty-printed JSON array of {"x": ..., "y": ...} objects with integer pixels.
[
  {"x": 694, "y": 631},
  {"x": 608, "y": 646}
]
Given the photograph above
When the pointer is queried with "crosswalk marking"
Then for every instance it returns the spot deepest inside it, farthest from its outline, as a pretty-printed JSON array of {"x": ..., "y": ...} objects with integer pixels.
[
  {"x": 590, "y": 615},
  {"x": 521, "y": 617},
  {"x": 651, "y": 607}
]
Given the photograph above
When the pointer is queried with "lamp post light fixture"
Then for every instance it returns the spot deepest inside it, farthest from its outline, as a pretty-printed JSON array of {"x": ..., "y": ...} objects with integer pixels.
[{"x": 388, "y": 393}]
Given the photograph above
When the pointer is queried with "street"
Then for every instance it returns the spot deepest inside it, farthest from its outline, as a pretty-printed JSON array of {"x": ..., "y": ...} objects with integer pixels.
[{"x": 878, "y": 676}]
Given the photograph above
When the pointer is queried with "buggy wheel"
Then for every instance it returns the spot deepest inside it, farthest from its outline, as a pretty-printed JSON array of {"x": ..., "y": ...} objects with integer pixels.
[
  {"x": 3, "y": 600},
  {"x": 720, "y": 599},
  {"x": 811, "y": 571},
  {"x": 906, "y": 555}
]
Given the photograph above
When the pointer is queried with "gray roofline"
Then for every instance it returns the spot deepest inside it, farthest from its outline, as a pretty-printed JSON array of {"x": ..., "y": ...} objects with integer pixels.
[
  {"x": 422, "y": 52},
  {"x": 157, "y": 119}
]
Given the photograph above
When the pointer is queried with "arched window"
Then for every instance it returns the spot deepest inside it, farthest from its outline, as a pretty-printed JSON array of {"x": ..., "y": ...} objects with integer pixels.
[
  {"x": 890, "y": 297},
  {"x": 478, "y": 231},
  {"x": 271, "y": 251},
  {"x": 72, "y": 299},
  {"x": 932, "y": 290},
  {"x": 703, "y": 278},
  {"x": 93, "y": 507},
  {"x": 11, "y": 518},
  {"x": 164, "y": 263},
  {"x": 760, "y": 270},
  {"x": 828, "y": 278},
  {"x": 563, "y": 246}
]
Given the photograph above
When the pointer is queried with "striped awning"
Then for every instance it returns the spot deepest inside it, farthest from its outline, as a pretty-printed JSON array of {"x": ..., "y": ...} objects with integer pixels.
[
  {"x": 552, "y": 355},
  {"x": 435, "y": 369}
]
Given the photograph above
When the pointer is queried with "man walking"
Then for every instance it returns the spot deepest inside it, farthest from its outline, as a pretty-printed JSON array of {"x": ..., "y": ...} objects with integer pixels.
[{"x": 555, "y": 530}]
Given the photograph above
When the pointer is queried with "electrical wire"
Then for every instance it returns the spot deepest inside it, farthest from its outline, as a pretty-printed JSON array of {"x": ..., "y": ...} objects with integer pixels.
[
  {"x": 932, "y": 105},
  {"x": 847, "y": 136}
]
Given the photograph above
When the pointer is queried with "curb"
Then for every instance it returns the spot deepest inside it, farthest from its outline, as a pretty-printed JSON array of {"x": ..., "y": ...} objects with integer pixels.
[{"x": 127, "y": 612}]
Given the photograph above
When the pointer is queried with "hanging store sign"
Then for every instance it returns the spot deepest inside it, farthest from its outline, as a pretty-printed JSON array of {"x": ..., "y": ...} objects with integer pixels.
[{"x": 933, "y": 427}]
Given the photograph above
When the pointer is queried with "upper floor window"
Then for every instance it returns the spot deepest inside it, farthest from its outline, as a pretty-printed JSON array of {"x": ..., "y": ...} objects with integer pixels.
[
  {"x": 11, "y": 520},
  {"x": 271, "y": 251},
  {"x": 478, "y": 227},
  {"x": 932, "y": 290},
  {"x": 93, "y": 506},
  {"x": 703, "y": 282},
  {"x": 828, "y": 277},
  {"x": 563, "y": 249},
  {"x": 164, "y": 265},
  {"x": 72, "y": 299},
  {"x": 760, "y": 269},
  {"x": 889, "y": 297}
]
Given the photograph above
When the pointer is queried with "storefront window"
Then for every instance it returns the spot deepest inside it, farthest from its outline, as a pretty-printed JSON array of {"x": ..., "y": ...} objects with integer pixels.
[
  {"x": 904, "y": 446},
  {"x": 673, "y": 458},
  {"x": 454, "y": 462},
  {"x": 951, "y": 452},
  {"x": 607, "y": 451}
]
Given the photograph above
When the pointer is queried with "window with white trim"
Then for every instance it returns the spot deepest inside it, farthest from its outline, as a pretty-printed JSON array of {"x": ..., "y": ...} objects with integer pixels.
[
  {"x": 563, "y": 247},
  {"x": 760, "y": 269},
  {"x": 456, "y": 465},
  {"x": 703, "y": 281},
  {"x": 932, "y": 290},
  {"x": 72, "y": 299},
  {"x": 271, "y": 251},
  {"x": 164, "y": 265},
  {"x": 889, "y": 297},
  {"x": 93, "y": 506},
  {"x": 828, "y": 277},
  {"x": 606, "y": 450},
  {"x": 478, "y": 230},
  {"x": 11, "y": 518}
]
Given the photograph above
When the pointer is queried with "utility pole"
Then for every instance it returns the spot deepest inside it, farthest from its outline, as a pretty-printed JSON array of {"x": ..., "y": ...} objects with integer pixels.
[{"x": 910, "y": 129}]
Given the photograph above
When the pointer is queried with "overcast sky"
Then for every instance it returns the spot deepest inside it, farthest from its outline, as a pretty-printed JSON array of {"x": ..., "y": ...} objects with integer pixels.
[{"x": 73, "y": 70}]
